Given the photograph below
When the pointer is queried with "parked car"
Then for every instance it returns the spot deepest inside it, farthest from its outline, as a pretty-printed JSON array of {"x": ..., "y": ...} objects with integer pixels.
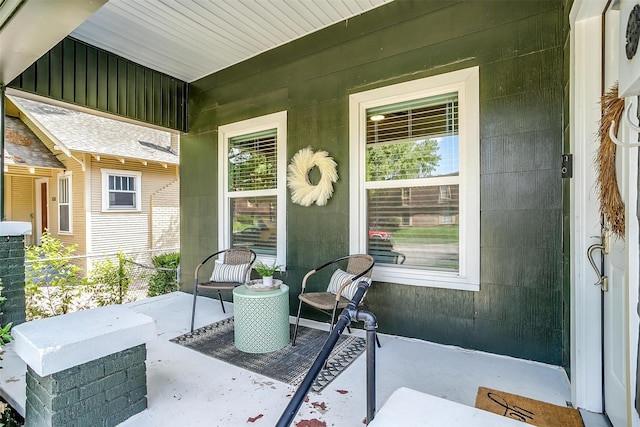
[{"x": 380, "y": 234}]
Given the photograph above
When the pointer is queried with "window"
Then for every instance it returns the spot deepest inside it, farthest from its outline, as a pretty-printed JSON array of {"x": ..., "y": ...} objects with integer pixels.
[
  {"x": 121, "y": 190},
  {"x": 414, "y": 183},
  {"x": 64, "y": 203},
  {"x": 252, "y": 160}
]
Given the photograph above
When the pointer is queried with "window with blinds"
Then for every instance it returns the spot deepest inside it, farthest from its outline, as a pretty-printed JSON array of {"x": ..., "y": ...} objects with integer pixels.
[
  {"x": 254, "y": 223},
  {"x": 64, "y": 204},
  {"x": 412, "y": 139},
  {"x": 253, "y": 161},
  {"x": 414, "y": 180},
  {"x": 252, "y": 166},
  {"x": 413, "y": 218},
  {"x": 252, "y": 175}
]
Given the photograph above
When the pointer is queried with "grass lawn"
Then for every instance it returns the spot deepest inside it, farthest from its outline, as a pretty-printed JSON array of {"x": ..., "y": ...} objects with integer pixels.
[{"x": 428, "y": 235}]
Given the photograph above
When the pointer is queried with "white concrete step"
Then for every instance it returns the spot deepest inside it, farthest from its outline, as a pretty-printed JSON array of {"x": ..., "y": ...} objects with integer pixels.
[{"x": 409, "y": 408}]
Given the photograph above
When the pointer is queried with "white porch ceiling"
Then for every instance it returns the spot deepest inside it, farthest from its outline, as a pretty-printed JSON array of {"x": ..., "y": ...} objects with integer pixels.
[{"x": 189, "y": 39}]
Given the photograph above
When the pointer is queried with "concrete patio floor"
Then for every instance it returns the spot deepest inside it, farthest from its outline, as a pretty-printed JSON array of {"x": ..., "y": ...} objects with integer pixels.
[{"x": 187, "y": 388}]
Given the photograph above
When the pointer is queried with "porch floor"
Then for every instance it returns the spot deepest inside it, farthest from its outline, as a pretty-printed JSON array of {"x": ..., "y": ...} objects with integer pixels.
[{"x": 189, "y": 388}]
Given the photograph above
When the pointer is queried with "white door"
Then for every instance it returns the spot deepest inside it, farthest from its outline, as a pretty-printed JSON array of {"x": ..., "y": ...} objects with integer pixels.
[
  {"x": 603, "y": 361},
  {"x": 621, "y": 268},
  {"x": 620, "y": 297}
]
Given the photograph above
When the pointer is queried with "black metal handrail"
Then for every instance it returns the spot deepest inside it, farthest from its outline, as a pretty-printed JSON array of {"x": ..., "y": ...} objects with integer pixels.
[{"x": 349, "y": 314}]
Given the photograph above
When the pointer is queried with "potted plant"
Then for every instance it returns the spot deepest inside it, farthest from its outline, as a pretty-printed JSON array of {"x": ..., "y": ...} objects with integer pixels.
[{"x": 266, "y": 271}]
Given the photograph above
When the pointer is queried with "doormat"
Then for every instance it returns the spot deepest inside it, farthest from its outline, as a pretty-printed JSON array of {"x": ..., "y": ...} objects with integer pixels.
[
  {"x": 288, "y": 365},
  {"x": 530, "y": 411}
]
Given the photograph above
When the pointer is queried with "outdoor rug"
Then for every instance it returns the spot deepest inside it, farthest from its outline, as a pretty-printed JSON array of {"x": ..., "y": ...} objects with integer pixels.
[
  {"x": 288, "y": 365},
  {"x": 530, "y": 411}
]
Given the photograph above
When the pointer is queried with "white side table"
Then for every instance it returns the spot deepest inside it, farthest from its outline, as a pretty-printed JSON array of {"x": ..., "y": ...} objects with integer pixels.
[{"x": 261, "y": 319}]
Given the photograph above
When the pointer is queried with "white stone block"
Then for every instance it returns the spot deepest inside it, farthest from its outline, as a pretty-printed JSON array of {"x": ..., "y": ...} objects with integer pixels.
[
  {"x": 57, "y": 343},
  {"x": 14, "y": 228},
  {"x": 410, "y": 408}
]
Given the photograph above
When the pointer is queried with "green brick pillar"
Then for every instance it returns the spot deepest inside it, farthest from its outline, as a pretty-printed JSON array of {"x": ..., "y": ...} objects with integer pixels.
[
  {"x": 12, "y": 270},
  {"x": 103, "y": 392},
  {"x": 85, "y": 368}
]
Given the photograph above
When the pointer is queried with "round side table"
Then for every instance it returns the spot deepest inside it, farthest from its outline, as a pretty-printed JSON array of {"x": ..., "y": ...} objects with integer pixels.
[{"x": 261, "y": 319}]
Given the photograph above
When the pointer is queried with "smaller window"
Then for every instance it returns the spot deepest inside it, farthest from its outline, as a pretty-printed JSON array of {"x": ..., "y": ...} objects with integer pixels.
[
  {"x": 121, "y": 190},
  {"x": 64, "y": 203},
  {"x": 445, "y": 193},
  {"x": 253, "y": 198}
]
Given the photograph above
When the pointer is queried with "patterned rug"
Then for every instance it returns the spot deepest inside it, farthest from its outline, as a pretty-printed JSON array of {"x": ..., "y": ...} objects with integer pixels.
[{"x": 288, "y": 365}]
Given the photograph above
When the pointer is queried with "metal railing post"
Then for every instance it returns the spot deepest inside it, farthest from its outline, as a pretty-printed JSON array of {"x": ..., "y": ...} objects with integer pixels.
[
  {"x": 370, "y": 326},
  {"x": 345, "y": 318}
]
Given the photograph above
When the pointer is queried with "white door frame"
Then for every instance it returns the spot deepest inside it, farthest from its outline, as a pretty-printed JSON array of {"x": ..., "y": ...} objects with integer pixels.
[
  {"x": 586, "y": 320},
  {"x": 585, "y": 91}
]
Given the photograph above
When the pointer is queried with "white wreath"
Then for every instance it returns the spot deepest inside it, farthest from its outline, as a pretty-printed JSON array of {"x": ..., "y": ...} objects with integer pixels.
[{"x": 303, "y": 192}]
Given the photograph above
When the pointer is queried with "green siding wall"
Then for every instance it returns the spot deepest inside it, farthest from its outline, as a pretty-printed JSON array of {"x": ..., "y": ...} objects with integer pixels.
[
  {"x": 84, "y": 75},
  {"x": 519, "y": 49}
]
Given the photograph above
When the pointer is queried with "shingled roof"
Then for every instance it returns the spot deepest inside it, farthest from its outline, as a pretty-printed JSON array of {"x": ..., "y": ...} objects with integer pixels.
[
  {"x": 23, "y": 148},
  {"x": 88, "y": 133}
]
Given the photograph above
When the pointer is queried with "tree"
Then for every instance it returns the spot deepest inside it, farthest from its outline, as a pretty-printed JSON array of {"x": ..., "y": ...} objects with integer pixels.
[
  {"x": 407, "y": 160},
  {"x": 251, "y": 169}
]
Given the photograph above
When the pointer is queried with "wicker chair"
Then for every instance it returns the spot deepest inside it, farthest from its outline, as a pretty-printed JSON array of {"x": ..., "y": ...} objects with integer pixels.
[
  {"x": 341, "y": 288},
  {"x": 231, "y": 271}
]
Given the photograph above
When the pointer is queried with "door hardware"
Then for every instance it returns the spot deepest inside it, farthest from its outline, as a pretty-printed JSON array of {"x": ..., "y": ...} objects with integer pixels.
[{"x": 603, "y": 247}]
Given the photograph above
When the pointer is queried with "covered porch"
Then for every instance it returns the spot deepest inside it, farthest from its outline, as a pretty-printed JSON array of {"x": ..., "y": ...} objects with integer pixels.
[
  {"x": 523, "y": 287},
  {"x": 186, "y": 387}
]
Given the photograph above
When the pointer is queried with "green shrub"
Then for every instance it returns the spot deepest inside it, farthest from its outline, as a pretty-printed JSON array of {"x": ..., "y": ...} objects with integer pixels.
[
  {"x": 52, "y": 281},
  {"x": 110, "y": 281},
  {"x": 164, "y": 281},
  {"x": 5, "y": 335}
]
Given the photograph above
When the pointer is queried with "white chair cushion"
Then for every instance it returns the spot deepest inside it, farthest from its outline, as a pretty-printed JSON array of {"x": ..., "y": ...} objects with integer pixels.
[
  {"x": 339, "y": 277},
  {"x": 228, "y": 273}
]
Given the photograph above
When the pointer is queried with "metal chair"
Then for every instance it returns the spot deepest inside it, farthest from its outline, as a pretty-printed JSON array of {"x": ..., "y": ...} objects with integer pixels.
[
  {"x": 231, "y": 271},
  {"x": 341, "y": 288}
]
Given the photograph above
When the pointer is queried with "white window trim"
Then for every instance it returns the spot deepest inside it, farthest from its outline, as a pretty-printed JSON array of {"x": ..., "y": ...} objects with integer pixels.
[
  {"x": 257, "y": 124},
  {"x": 68, "y": 175},
  {"x": 466, "y": 83},
  {"x": 105, "y": 189}
]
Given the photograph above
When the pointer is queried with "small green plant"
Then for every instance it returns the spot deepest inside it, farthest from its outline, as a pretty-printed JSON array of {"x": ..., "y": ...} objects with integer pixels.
[
  {"x": 6, "y": 417},
  {"x": 9, "y": 417},
  {"x": 165, "y": 279},
  {"x": 266, "y": 270},
  {"x": 52, "y": 281},
  {"x": 110, "y": 281},
  {"x": 5, "y": 334}
]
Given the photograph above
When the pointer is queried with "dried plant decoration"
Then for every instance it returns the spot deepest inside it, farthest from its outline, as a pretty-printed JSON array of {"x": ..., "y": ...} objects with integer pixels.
[
  {"x": 611, "y": 205},
  {"x": 303, "y": 192}
]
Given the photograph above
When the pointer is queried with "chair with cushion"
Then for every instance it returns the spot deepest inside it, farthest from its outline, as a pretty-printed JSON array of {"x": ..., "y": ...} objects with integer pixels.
[
  {"x": 231, "y": 268},
  {"x": 341, "y": 289}
]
